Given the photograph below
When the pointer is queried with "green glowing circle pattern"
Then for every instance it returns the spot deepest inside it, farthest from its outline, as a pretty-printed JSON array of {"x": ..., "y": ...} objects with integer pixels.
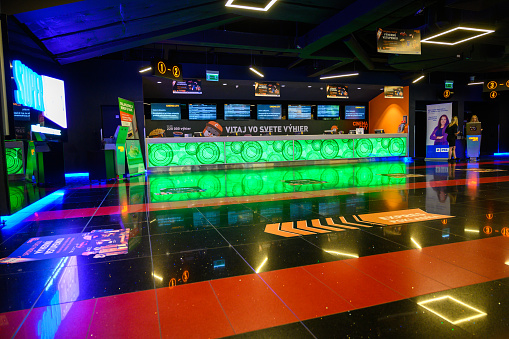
[
  {"x": 185, "y": 154},
  {"x": 14, "y": 158}
]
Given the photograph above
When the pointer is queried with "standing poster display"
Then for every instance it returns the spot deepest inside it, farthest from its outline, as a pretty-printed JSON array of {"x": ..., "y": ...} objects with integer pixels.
[
  {"x": 438, "y": 117},
  {"x": 135, "y": 162},
  {"x": 128, "y": 118}
]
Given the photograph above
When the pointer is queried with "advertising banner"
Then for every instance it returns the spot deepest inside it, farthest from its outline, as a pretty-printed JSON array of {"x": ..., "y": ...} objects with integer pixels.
[
  {"x": 398, "y": 41},
  {"x": 189, "y": 86},
  {"x": 438, "y": 117},
  {"x": 135, "y": 162},
  {"x": 99, "y": 244},
  {"x": 337, "y": 92},
  {"x": 128, "y": 118}
]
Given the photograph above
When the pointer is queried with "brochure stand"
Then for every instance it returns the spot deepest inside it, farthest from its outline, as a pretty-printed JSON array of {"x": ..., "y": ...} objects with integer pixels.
[{"x": 473, "y": 140}]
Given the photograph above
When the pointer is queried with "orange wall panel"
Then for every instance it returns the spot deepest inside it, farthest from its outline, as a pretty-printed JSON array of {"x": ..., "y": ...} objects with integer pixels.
[{"x": 388, "y": 113}]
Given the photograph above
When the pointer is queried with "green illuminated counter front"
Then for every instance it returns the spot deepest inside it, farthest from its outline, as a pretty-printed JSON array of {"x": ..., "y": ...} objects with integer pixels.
[{"x": 168, "y": 152}]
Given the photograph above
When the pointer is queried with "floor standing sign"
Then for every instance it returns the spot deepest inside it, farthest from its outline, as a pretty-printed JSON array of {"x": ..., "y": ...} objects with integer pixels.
[
  {"x": 128, "y": 143},
  {"x": 438, "y": 117}
]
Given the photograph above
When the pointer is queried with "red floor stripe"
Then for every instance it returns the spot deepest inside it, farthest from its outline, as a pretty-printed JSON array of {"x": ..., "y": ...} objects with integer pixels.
[{"x": 245, "y": 303}]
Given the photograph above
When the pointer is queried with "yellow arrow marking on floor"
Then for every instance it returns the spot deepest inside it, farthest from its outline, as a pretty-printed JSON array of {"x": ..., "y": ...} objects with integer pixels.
[
  {"x": 274, "y": 229},
  {"x": 303, "y": 225},
  {"x": 316, "y": 223},
  {"x": 343, "y": 220},
  {"x": 288, "y": 226},
  {"x": 330, "y": 222}
]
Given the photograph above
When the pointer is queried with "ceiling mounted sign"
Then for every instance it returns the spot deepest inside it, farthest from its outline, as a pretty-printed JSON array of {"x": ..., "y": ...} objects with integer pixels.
[{"x": 166, "y": 69}]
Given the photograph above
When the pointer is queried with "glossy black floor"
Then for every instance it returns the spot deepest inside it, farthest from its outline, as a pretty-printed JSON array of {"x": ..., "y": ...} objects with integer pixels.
[{"x": 202, "y": 233}]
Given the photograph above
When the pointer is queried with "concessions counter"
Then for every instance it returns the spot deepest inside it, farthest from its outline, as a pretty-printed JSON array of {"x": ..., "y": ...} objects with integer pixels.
[{"x": 165, "y": 153}]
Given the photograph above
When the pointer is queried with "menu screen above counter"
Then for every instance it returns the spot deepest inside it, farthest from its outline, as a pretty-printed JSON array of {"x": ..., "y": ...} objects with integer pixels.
[
  {"x": 299, "y": 112},
  {"x": 202, "y": 112},
  {"x": 327, "y": 111},
  {"x": 355, "y": 112},
  {"x": 165, "y": 111},
  {"x": 269, "y": 112},
  {"x": 237, "y": 111}
]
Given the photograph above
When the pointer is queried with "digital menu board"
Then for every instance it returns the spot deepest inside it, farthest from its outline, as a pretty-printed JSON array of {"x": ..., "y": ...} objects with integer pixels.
[
  {"x": 398, "y": 41},
  {"x": 267, "y": 89},
  {"x": 395, "y": 92},
  {"x": 237, "y": 111},
  {"x": 337, "y": 92},
  {"x": 327, "y": 111},
  {"x": 189, "y": 86},
  {"x": 164, "y": 111},
  {"x": 21, "y": 113},
  {"x": 268, "y": 111},
  {"x": 355, "y": 112},
  {"x": 202, "y": 112},
  {"x": 299, "y": 112}
]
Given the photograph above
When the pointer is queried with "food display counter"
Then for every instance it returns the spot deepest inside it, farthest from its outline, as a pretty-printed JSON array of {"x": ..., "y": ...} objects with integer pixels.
[{"x": 196, "y": 151}]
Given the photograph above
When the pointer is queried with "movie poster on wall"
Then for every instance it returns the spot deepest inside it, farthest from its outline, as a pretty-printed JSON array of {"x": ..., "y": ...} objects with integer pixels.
[
  {"x": 438, "y": 117},
  {"x": 398, "y": 41},
  {"x": 337, "y": 91}
]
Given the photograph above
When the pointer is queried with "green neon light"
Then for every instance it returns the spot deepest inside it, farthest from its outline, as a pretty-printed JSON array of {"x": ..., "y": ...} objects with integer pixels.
[{"x": 14, "y": 157}]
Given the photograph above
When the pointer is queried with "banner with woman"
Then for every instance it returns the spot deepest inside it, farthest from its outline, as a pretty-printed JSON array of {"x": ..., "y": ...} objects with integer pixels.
[{"x": 438, "y": 117}]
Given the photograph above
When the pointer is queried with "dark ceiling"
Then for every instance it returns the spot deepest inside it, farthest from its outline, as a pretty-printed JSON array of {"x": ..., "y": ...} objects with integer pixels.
[{"x": 317, "y": 37}]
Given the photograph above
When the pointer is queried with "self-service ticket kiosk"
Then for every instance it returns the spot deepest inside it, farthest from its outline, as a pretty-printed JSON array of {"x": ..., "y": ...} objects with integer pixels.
[{"x": 473, "y": 132}]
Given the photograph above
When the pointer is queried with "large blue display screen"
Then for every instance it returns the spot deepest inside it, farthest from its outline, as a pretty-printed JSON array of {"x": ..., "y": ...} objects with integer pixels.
[
  {"x": 202, "y": 112},
  {"x": 299, "y": 112},
  {"x": 355, "y": 112},
  {"x": 165, "y": 111},
  {"x": 237, "y": 111},
  {"x": 327, "y": 111},
  {"x": 269, "y": 112}
]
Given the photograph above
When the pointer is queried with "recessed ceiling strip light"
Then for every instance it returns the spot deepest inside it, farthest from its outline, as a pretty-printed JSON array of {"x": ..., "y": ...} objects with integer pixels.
[
  {"x": 481, "y": 33},
  {"x": 475, "y": 83},
  {"x": 257, "y": 72},
  {"x": 339, "y": 76},
  {"x": 229, "y": 3},
  {"x": 418, "y": 79},
  {"x": 145, "y": 70}
]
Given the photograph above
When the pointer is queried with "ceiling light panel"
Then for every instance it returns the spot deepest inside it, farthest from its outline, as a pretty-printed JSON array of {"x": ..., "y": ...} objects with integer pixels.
[
  {"x": 245, "y": 5},
  {"x": 456, "y": 36}
]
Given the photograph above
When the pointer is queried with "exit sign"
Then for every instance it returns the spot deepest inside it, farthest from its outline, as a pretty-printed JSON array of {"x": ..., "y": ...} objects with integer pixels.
[
  {"x": 212, "y": 75},
  {"x": 449, "y": 84}
]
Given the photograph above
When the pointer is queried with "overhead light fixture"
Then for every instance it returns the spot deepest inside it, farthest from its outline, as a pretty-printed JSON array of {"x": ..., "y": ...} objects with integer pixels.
[
  {"x": 145, "y": 69},
  {"x": 358, "y": 88},
  {"x": 339, "y": 76},
  {"x": 418, "y": 79},
  {"x": 159, "y": 82},
  {"x": 309, "y": 86},
  {"x": 480, "y": 31},
  {"x": 252, "y": 69},
  {"x": 229, "y": 3},
  {"x": 224, "y": 84},
  {"x": 475, "y": 83}
]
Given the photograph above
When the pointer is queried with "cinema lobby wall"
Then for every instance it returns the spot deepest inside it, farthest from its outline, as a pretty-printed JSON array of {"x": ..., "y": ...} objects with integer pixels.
[{"x": 96, "y": 82}]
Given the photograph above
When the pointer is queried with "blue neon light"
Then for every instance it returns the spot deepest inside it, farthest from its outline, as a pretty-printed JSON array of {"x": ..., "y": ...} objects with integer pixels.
[
  {"x": 30, "y": 89},
  {"x": 75, "y": 175},
  {"x": 501, "y": 154},
  {"x": 13, "y": 220}
]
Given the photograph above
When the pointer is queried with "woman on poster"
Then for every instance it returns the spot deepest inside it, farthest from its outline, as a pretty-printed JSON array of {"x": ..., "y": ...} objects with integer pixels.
[{"x": 439, "y": 134}]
